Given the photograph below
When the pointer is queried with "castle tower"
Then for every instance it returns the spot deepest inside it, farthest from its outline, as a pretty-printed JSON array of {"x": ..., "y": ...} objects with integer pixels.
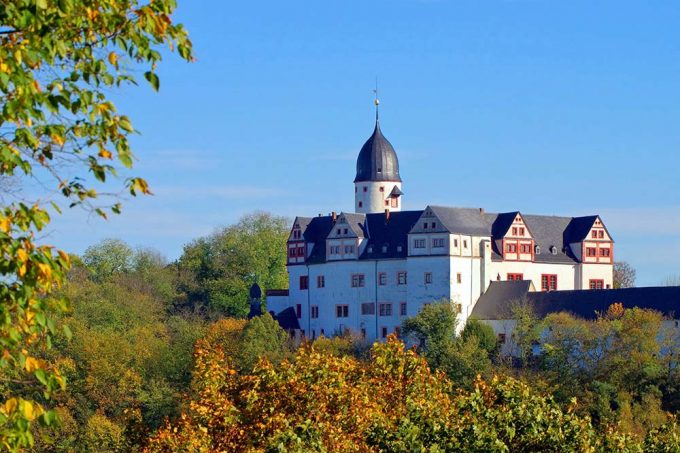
[{"x": 377, "y": 186}]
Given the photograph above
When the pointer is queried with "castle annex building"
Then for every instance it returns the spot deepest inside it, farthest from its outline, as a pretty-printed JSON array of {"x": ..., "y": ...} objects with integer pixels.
[{"x": 367, "y": 270}]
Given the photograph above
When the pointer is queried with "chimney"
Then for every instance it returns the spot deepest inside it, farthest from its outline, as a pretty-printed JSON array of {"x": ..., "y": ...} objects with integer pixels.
[
  {"x": 481, "y": 211},
  {"x": 334, "y": 216},
  {"x": 387, "y": 215}
]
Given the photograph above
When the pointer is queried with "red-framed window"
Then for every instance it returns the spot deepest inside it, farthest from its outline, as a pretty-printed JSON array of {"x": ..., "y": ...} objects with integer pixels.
[
  {"x": 358, "y": 281},
  {"x": 301, "y": 251},
  {"x": 291, "y": 252},
  {"x": 394, "y": 202},
  {"x": 402, "y": 309},
  {"x": 320, "y": 281},
  {"x": 515, "y": 277},
  {"x": 548, "y": 282},
  {"x": 382, "y": 278},
  {"x": 521, "y": 231},
  {"x": 593, "y": 234},
  {"x": 591, "y": 251},
  {"x": 298, "y": 311},
  {"x": 511, "y": 248},
  {"x": 525, "y": 248},
  {"x": 315, "y": 311},
  {"x": 514, "y": 231},
  {"x": 600, "y": 234},
  {"x": 604, "y": 253},
  {"x": 596, "y": 284},
  {"x": 304, "y": 282},
  {"x": 401, "y": 278}
]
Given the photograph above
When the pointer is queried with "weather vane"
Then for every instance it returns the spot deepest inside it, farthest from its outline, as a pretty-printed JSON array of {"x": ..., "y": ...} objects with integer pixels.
[{"x": 376, "y": 101}]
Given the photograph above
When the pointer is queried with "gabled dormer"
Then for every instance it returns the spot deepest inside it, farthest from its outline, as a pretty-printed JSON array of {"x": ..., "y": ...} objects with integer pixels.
[
  {"x": 428, "y": 236},
  {"x": 590, "y": 240},
  {"x": 345, "y": 238},
  {"x": 512, "y": 237},
  {"x": 297, "y": 246}
]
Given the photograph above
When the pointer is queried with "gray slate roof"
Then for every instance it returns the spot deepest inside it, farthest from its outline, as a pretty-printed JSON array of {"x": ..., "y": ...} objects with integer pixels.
[
  {"x": 547, "y": 231},
  {"x": 377, "y": 159},
  {"x": 497, "y": 301}
]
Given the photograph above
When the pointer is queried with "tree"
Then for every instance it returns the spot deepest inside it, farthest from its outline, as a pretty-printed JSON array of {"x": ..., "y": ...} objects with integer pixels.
[
  {"x": 262, "y": 338},
  {"x": 483, "y": 332},
  {"x": 59, "y": 61},
  {"x": 461, "y": 358},
  {"x": 624, "y": 275},
  {"x": 108, "y": 258},
  {"x": 217, "y": 271}
]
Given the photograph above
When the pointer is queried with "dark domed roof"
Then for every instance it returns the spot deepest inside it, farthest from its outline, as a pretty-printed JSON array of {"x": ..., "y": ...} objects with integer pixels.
[
  {"x": 255, "y": 291},
  {"x": 377, "y": 160}
]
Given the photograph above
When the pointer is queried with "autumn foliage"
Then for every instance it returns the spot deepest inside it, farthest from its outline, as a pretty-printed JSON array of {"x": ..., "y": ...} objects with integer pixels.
[{"x": 392, "y": 402}]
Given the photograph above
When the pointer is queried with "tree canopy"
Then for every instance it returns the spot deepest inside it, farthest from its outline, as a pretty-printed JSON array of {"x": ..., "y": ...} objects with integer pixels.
[{"x": 59, "y": 61}]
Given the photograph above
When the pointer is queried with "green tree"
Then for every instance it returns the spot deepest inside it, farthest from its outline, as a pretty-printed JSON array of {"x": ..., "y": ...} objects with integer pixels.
[
  {"x": 109, "y": 258},
  {"x": 483, "y": 332},
  {"x": 217, "y": 271},
  {"x": 263, "y": 338},
  {"x": 463, "y": 357},
  {"x": 59, "y": 61}
]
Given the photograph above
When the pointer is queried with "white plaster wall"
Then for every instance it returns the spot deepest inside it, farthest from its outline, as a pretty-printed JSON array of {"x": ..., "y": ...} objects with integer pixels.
[
  {"x": 373, "y": 200},
  {"x": 596, "y": 272},
  {"x": 277, "y": 303},
  {"x": 566, "y": 273}
]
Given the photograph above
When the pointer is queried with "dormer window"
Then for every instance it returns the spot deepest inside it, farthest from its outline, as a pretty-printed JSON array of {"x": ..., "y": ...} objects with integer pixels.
[
  {"x": 399, "y": 248},
  {"x": 600, "y": 234},
  {"x": 370, "y": 249},
  {"x": 425, "y": 225},
  {"x": 384, "y": 248},
  {"x": 345, "y": 231},
  {"x": 434, "y": 225},
  {"x": 338, "y": 230},
  {"x": 537, "y": 250},
  {"x": 382, "y": 189},
  {"x": 553, "y": 250}
]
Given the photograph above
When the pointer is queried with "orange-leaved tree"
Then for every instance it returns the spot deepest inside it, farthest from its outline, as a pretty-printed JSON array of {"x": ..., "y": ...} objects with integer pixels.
[{"x": 59, "y": 61}]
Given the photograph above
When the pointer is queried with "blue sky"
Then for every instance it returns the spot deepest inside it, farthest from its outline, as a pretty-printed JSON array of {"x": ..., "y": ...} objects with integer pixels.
[{"x": 543, "y": 106}]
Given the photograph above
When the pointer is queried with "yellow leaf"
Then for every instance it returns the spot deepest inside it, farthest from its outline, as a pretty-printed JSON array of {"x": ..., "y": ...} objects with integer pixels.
[
  {"x": 113, "y": 58},
  {"x": 18, "y": 56},
  {"x": 105, "y": 154},
  {"x": 58, "y": 139},
  {"x": 45, "y": 270},
  {"x": 32, "y": 364},
  {"x": 4, "y": 67},
  {"x": 10, "y": 405},
  {"x": 5, "y": 224},
  {"x": 64, "y": 256},
  {"x": 22, "y": 255},
  {"x": 27, "y": 410}
]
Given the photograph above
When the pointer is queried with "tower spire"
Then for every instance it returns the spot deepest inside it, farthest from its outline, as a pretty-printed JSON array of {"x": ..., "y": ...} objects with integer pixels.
[{"x": 376, "y": 101}]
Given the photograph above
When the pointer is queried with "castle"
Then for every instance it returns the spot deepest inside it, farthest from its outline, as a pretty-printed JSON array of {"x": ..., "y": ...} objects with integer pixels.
[{"x": 366, "y": 271}]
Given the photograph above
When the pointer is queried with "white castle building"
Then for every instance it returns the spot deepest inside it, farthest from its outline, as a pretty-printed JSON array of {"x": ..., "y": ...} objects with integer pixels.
[{"x": 366, "y": 271}]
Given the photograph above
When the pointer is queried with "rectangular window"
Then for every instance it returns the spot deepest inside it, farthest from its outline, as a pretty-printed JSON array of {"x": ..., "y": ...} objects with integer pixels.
[
  {"x": 428, "y": 277},
  {"x": 596, "y": 284},
  {"x": 600, "y": 234},
  {"x": 525, "y": 248},
  {"x": 358, "y": 281},
  {"x": 419, "y": 243},
  {"x": 301, "y": 252},
  {"x": 455, "y": 242},
  {"x": 434, "y": 225},
  {"x": 349, "y": 249},
  {"x": 438, "y": 243},
  {"x": 401, "y": 278},
  {"x": 383, "y": 332},
  {"x": 385, "y": 309},
  {"x": 425, "y": 225},
  {"x": 382, "y": 189},
  {"x": 365, "y": 188},
  {"x": 341, "y": 311},
  {"x": 304, "y": 282},
  {"x": 298, "y": 311},
  {"x": 465, "y": 243},
  {"x": 514, "y": 231},
  {"x": 394, "y": 202},
  {"x": 458, "y": 308},
  {"x": 291, "y": 252},
  {"x": 604, "y": 252},
  {"x": 368, "y": 308},
  {"x": 521, "y": 231},
  {"x": 402, "y": 309},
  {"x": 459, "y": 278},
  {"x": 315, "y": 311},
  {"x": 320, "y": 281},
  {"x": 591, "y": 251},
  {"x": 382, "y": 279},
  {"x": 515, "y": 277},
  {"x": 548, "y": 282},
  {"x": 594, "y": 234},
  {"x": 511, "y": 248}
]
